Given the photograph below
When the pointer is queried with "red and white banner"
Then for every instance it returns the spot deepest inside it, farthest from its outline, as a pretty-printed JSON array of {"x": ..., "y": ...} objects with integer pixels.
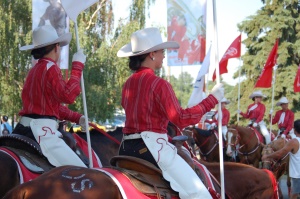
[
  {"x": 187, "y": 26},
  {"x": 233, "y": 51},
  {"x": 297, "y": 81},
  {"x": 265, "y": 78},
  {"x": 50, "y": 12}
]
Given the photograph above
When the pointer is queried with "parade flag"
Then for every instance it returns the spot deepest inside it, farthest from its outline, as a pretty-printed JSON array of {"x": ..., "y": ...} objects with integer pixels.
[
  {"x": 72, "y": 10},
  {"x": 233, "y": 51},
  {"x": 265, "y": 78},
  {"x": 297, "y": 81},
  {"x": 198, "y": 95}
]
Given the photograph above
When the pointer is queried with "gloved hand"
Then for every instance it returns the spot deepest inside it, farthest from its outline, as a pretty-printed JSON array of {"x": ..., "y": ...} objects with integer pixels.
[
  {"x": 283, "y": 136},
  {"x": 238, "y": 111},
  {"x": 271, "y": 111},
  {"x": 82, "y": 123},
  {"x": 218, "y": 91},
  {"x": 254, "y": 124},
  {"x": 79, "y": 56}
]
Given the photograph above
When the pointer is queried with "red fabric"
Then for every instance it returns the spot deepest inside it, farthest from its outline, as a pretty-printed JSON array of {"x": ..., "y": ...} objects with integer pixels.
[
  {"x": 297, "y": 81},
  {"x": 265, "y": 78},
  {"x": 233, "y": 51},
  {"x": 150, "y": 103},
  {"x": 258, "y": 135},
  {"x": 27, "y": 175},
  {"x": 288, "y": 120},
  {"x": 225, "y": 118},
  {"x": 84, "y": 147},
  {"x": 257, "y": 113},
  {"x": 45, "y": 90}
]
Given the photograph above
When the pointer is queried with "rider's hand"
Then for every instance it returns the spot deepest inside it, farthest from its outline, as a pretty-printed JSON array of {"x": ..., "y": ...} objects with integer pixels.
[
  {"x": 218, "y": 91},
  {"x": 254, "y": 124},
  {"x": 79, "y": 56},
  {"x": 271, "y": 111},
  {"x": 283, "y": 136},
  {"x": 82, "y": 123}
]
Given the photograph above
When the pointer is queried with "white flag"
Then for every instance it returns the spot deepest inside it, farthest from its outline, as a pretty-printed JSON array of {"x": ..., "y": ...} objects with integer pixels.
[
  {"x": 74, "y": 7},
  {"x": 198, "y": 95}
]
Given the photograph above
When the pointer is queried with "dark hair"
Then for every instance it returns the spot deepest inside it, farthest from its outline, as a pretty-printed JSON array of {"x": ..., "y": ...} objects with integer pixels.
[
  {"x": 5, "y": 118},
  {"x": 297, "y": 126},
  {"x": 135, "y": 61},
  {"x": 41, "y": 52}
]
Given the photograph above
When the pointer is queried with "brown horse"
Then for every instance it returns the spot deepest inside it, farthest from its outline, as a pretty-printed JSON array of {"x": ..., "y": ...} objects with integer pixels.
[
  {"x": 278, "y": 167},
  {"x": 247, "y": 144},
  {"x": 207, "y": 142},
  {"x": 256, "y": 183}
]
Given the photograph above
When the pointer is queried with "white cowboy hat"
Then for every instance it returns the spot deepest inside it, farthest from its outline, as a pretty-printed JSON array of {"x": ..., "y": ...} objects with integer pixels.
[
  {"x": 257, "y": 94},
  {"x": 145, "y": 41},
  {"x": 282, "y": 100},
  {"x": 225, "y": 100},
  {"x": 46, "y": 35}
]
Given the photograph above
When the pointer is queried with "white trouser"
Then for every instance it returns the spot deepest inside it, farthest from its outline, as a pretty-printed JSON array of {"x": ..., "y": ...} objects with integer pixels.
[
  {"x": 224, "y": 131},
  {"x": 264, "y": 131},
  {"x": 181, "y": 176},
  {"x": 53, "y": 147}
]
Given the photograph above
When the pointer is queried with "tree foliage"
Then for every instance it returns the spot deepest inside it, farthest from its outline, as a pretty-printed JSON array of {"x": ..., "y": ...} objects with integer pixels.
[{"x": 276, "y": 19}]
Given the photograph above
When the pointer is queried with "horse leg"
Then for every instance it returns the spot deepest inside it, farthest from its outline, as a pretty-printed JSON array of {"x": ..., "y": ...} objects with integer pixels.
[{"x": 9, "y": 174}]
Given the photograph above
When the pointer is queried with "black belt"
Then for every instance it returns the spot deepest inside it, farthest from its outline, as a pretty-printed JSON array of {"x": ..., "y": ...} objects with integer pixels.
[{"x": 36, "y": 116}]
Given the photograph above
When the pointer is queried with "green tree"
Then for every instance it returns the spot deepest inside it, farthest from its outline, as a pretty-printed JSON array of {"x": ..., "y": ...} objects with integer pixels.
[{"x": 276, "y": 19}]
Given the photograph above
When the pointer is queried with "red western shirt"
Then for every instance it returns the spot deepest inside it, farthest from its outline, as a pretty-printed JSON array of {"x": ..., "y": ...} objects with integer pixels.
[
  {"x": 45, "y": 90},
  {"x": 257, "y": 113},
  {"x": 288, "y": 120},
  {"x": 150, "y": 103},
  {"x": 225, "y": 118}
]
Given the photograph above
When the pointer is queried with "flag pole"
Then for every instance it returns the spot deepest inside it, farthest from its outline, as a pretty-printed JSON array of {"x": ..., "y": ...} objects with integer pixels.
[
  {"x": 273, "y": 88},
  {"x": 239, "y": 91},
  {"x": 219, "y": 104}
]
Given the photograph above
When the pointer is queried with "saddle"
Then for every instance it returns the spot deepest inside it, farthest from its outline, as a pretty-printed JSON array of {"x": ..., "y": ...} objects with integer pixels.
[
  {"x": 145, "y": 177},
  {"x": 28, "y": 151}
]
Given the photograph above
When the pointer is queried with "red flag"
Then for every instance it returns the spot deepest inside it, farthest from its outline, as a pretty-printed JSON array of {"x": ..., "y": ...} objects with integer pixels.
[
  {"x": 265, "y": 78},
  {"x": 297, "y": 81},
  {"x": 233, "y": 51}
]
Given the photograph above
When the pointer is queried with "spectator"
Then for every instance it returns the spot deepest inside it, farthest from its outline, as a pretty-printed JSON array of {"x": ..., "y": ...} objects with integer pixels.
[{"x": 5, "y": 126}]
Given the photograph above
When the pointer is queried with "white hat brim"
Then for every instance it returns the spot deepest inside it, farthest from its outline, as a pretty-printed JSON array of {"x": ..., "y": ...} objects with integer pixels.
[
  {"x": 126, "y": 50},
  {"x": 62, "y": 40},
  {"x": 251, "y": 96}
]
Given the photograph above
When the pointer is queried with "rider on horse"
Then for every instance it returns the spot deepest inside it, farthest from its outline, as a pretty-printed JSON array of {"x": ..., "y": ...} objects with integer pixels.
[
  {"x": 150, "y": 103},
  {"x": 284, "y": 118},
  {"x": 255, "y": 113},
  {"x": 44, "y": 92},
  {"x": 225, "y": 118}
]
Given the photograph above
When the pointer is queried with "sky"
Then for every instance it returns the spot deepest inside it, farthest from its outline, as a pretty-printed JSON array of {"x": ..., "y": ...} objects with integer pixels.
[{"x": 229, "y": 14}]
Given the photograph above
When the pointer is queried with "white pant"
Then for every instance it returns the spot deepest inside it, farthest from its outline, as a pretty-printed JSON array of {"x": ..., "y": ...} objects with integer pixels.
[
  {"x": 224, "y": 131},
  {"x": 264, "y": 131},
  {"x": 181, "y": 176},
  {"x": 53, "y": 147}
]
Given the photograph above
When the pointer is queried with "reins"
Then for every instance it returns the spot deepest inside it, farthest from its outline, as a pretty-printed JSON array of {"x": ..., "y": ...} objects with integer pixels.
[{"x": 104, "y": 133}]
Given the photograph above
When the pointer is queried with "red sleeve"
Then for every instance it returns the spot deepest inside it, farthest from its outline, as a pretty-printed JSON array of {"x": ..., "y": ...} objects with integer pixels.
[
  {"x": 290, "y": 123},
  {"x": 262, "y": 110},
  {"x": 225, "y": 117},
  {"x": 66, "y": 92},
  {"x": 182, "y": 117},
  {"x": 67, "y": 114},
  {"x": 276, "y": 118}
]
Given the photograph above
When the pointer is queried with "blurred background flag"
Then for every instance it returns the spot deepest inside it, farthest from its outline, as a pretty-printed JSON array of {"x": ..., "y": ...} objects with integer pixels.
[
  {"x": 234, "y": 51},
  {"x": 72, "y": 10},
  {"x": 297, "y": 81},
  {"x": 198, "y": 93},
  {"x": 265, "y": 78}
]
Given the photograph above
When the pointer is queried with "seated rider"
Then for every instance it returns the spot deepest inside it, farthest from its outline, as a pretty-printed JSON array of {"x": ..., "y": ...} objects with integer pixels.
[
  {"x": 150, "y": 103},
  {"x": 255, "y": 113},
  {"x": 225, "y": 118},
  {"x": 44, "y": 92},
  {"x": 284, "y": 118}
]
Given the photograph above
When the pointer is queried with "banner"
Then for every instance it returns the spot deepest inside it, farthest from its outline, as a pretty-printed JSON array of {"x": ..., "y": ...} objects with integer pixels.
[
  {"x": 187, "y": 26},
  {"x": 233, "y": 51},
  {"x": 50, "y": 12},
  {"x": 198, "y": 93},
  {"x": 265, "y": 78},
  {"x": 297, "y": 81}
]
